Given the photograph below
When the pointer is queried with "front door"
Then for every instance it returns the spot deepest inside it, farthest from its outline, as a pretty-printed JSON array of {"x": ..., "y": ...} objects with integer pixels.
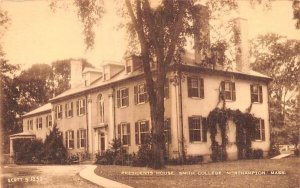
[{"x": 101, "y": 142}]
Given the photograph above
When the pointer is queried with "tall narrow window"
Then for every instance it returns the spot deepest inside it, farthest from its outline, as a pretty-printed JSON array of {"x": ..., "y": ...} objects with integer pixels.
[
  {"x": 122, "y": 97},
  {"x": 30, "y": 124},
  {"x": 197, "y": 129},
  {"x": 69, "y": 109},
  {"x": 142, "y": 132},
  {"x": 124, "y": 133},
  {"x": 80, "y": 107},
  {"x": 49, "y": 121},
  {"x": 260, "y": 130},
  {"x": 69, "y": 139},
  {"x": 140, "y": 94},
  {"x": 39, "y": 123},
  {"x": 256, "y": 93},
  {"x": 100, "y": 108},
  {"x": 195, "y": 87},
  {"x": 81, "y": 138},
  {"x": 228, "y": 90},
  {"x": 58, "y": 111}
]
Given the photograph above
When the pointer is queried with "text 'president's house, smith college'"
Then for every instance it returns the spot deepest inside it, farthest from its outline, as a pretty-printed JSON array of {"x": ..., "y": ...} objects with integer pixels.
[{"x": 112, "y": 102}]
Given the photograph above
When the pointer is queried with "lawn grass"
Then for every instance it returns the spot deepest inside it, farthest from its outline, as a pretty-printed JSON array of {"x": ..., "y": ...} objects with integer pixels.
[{"x": 291, "y": 166}]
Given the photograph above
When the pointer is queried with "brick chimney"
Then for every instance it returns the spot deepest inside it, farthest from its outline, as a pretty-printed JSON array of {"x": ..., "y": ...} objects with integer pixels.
[
  {"x": 241, "y": 45},
  {"x": 76, "y": 73},
  {"x": 201, "y": 34}
]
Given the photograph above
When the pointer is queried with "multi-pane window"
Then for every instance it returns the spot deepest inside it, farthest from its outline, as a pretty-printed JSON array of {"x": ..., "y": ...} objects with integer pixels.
[
  {"x": 140, "y": 94},
  {"x": 58, "y": 112},
  {"x": 122, "y": 97},
  {"x": 228, "y": 90},
  {"x": 69, "y": 109},
  {"x": 39, "y": 123},
  {"x": 30, "y": 124},
  {"x": 197, "y": 129},
  {"x": 260, "y": 130},
  {"x": 81, "y": 138},
  {"x": 256, "y": 93},
  {"x": 124, "y": 133},
  {"x": 195, "y": 87},
  {"x": 142, "y": 132},
  {"x": 80, "y": 107},
  {"x": 49, "y": 121},
  {"x": 100, "y": 109},
  {"x": 69, "y": 139}
]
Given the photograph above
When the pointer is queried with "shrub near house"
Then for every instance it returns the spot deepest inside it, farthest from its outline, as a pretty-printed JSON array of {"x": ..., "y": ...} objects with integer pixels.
[{"x": 28, "y": 151}]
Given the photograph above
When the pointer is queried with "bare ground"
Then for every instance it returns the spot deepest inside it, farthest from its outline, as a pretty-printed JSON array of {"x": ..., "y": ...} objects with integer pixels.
[{"x": 43, "y": 176}]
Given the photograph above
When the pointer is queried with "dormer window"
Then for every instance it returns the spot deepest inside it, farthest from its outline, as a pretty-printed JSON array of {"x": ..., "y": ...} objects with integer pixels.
[{"x": 128, "y": 66}]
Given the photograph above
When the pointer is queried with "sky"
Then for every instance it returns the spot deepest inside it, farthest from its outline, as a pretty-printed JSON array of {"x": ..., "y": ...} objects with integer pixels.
[{"x": 36, "y": 34}]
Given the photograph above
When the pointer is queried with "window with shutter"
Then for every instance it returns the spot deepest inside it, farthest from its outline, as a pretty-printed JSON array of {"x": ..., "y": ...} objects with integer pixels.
[
  {"x": 70, "y": 139},
  {"x": 142, "y": 132},
  {"x": 228, "y": 91},
  {"x": 256, "y": 93},
  {"x": 260, "y": 130},
  {"x": 167, "y": 131},
  {"x": 197, "y": 129},
  {"x": 166, "y": 89},
  {"x": 124, "y": 133},
  {"x": 123, "y": 97},
  {"x": 81, "y": 105},
  {"x": 195, "y": 87},
  {"x": 141, "y": 95}
]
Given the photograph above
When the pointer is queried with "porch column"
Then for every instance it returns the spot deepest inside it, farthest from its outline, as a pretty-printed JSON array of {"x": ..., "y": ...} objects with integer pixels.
[
  {"x": 111, "y": 123},
  {"x": 90, "y": 135}
]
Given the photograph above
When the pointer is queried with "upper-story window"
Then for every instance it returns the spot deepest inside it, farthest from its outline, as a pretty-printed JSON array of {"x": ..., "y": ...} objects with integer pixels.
[
  {"x": 197, "y": 129},
  {"x": 69, "y": 109},
  {"x": 256, "y": 93},
  {"x": 122, "y": 97},
  {"x": 69, "y": 139},
  {"x": 49, "y": 121},
  {"x": 30, "y": 124},
  {"x": 228, "y": 90},
  {"x": 195, "y": 87},
  {"x": 58, "y": 111},
  {"x": 80, "y": 107},
  {"x": 39, "y": 123},
  {"x": 140, "y": 94},
  {"x": 142, "y": 132},
  {"x": 260, "y": 130},
  {"x": 128, "y": 66},
  {"x": 124, "y": 133},
  {"x": 100, "y": 108}
]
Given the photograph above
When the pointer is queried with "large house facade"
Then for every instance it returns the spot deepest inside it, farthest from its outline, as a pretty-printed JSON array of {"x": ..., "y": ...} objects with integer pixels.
[{"x": 112, "y": 102}]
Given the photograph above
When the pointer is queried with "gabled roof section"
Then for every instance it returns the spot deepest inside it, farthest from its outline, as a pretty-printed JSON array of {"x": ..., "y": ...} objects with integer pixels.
[{"x": 43, "y": 109}]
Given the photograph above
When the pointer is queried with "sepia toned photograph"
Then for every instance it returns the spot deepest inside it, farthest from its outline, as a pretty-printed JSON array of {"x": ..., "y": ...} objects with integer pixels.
[{"x": 150, "y": 93}]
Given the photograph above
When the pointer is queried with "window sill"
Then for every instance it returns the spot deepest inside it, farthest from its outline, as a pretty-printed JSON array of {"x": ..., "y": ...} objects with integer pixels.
[
  {"x": 69, "y": 117},
  {"x": 258, "y": 140},
  {"x": 79, "y": 115},
  {"x": 198, "y": 142},
  {"x": 121, "y": 107},
  {"x": 197, "y": 98},
  {"x": 141, "y": 103},
  {"x": 256, "y": 102}
]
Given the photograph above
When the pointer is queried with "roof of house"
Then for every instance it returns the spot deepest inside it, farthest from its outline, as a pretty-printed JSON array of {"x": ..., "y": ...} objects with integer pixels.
[{"x": 45, "y": 108}]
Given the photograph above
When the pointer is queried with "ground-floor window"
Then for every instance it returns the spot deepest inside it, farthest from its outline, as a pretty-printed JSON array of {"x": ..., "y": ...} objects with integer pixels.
[
  {"x": 197, "y": 129},
  {"x": 124, "y": 133},
  {"x": 81, "y": 138},
  {"x": 167, "y": 130},
  {"x": 70, "y": 139},
  {"x": 260, "y": 130},
  {"x": 142, "y": 132}
]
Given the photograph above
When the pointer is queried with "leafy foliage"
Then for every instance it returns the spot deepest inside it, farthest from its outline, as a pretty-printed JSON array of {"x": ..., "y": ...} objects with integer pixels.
[
  {"x": 279, "y": 58},
  {"x": 245, "y": 131},
  {"x": 54, "y": 149},
  {"x": 28, "y": 151}
]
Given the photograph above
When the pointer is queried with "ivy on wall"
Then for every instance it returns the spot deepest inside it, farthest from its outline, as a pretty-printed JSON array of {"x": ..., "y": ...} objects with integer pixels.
[{"x": 245, "y": 132}]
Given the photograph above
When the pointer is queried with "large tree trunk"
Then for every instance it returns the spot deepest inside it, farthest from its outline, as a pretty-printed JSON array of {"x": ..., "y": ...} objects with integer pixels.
[{"x": 158, "y": 141}]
